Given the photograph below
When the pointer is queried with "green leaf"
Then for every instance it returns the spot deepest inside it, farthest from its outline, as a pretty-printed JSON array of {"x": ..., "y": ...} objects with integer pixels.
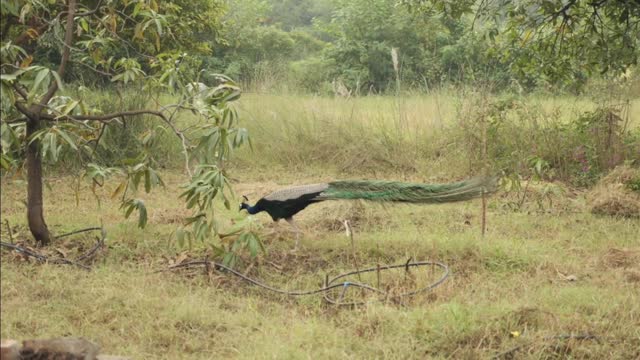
[
  {"x": 17, "y": 73},
  {"x": 130, "y": 209},
  {"x": 56, "y": 76},
  {"x": 159, "y": 26},
  {"x": 142, "y": 220},
  {"x": 84, "y": 24},
  {"x": 42, "y": 74},
  {"x": 136, "y": 204},
  {"x": 70, "y": 106},
  {"x": 9, "y": 77},
  {"x": 26, "y": 9},
  {"x": 5, "y": 162},
  {"x": 147, "y": 180},
  {"x": 7, "y": 93},
  {"x": 66, "y": 138}
]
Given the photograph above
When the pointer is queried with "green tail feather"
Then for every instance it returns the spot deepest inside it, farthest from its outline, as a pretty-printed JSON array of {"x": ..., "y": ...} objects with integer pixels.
[{"x": 407, "y": 192}]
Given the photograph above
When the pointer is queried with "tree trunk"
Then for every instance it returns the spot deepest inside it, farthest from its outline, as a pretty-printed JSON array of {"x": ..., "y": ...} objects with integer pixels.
[
  {"x": 35, "y": 211},
  {"x": 35, "y": 215}
]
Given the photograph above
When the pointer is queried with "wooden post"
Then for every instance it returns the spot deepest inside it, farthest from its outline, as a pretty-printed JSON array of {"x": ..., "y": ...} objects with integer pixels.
[
  {"x": 485, "y": 168},
  {"x": 347, "y": 226}
]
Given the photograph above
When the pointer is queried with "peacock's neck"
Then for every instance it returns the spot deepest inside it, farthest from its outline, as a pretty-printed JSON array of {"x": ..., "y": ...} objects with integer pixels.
[{"x": 253, "y": 210}]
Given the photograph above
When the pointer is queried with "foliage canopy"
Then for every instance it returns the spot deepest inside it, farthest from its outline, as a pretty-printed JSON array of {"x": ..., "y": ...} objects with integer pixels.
[{"x": 559, "y": 38}]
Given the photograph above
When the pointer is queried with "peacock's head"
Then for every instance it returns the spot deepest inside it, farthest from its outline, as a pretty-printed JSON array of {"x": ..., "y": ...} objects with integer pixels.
[{"x": 244, "y": 205}]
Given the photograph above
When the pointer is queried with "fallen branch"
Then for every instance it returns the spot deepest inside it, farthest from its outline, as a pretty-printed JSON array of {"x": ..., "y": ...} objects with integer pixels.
[
  {"x": 46, "y": 259},
  {"x": 6, "y": 221}
]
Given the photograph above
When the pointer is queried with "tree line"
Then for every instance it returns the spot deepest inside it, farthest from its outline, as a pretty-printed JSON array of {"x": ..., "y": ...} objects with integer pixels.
[{"x": 521, "y": 45}]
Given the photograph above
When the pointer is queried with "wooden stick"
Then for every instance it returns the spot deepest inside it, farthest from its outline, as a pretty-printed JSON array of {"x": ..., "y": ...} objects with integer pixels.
[
  {"x": 347, "y": 225},
  {"x": 9, "y": 230},
  {"x": 485, "y": 167},
  {"x": 484, "y": 214}
]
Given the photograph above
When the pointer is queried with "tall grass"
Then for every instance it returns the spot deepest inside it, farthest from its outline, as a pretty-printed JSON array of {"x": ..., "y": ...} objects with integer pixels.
[
  {"x": 438, "y": 137},
  {"x": 424, "y": 137},
  {"x": 350, "y": 136}
]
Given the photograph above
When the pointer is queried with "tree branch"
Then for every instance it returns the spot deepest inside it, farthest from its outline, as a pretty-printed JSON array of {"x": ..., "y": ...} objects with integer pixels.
[
  {"x": 102, "y": 129},
  {"x": 564, "y": 9},
  {"x": 26, "y": 36},
  {"x": 20, "y": 90},
  {"x": 66, "y": 52},
  {"x": 84, "y": 13},
  {"x": 105, "y": 117},
  {"x": 111, "y": 116},
  {"x": 91, "y": 12},
  {"x": 26, "y": 112},
  {"x": 15, "y": 120}
]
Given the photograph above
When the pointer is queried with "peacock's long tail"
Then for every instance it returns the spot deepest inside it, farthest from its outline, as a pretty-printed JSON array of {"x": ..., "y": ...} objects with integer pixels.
[{"x": 408, "y": 192}]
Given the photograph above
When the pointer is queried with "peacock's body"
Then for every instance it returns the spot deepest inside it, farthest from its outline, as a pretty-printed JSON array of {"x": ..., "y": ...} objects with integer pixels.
[{"x": 285, "y": 203}]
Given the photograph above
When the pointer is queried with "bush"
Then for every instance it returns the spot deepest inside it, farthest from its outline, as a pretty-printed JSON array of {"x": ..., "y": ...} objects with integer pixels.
[
  {"x": 312, "y": 74},
  {"x": 526, "y": 140}
]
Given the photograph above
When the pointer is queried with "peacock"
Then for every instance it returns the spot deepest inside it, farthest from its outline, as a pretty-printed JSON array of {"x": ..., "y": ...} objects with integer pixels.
[{"x": 285, "y": 203}]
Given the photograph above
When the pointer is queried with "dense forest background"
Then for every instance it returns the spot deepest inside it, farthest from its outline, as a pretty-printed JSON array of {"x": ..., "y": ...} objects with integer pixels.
[{"x": 345, "y": 47}]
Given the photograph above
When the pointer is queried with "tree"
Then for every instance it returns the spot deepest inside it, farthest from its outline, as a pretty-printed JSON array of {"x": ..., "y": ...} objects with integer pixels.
[
  {"x": 296, "y": 14},
  {"x": 149, "y": 45},
  {"x": 558, "y": 38},
  {"x": 252, "y": 48},
  {"x": 364, "y": 33}
]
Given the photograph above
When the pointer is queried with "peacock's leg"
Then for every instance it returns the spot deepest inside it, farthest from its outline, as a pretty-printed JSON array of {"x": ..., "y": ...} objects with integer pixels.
[{"x": 296, "y": 230}]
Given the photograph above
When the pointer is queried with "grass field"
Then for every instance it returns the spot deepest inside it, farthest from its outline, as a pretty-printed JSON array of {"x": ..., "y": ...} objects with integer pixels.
[
  {"x": 540, "y": 279},
  {"x": 427, "y": 137}
]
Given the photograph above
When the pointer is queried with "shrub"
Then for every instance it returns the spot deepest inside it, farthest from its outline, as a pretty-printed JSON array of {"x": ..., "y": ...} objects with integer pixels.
[
  {"x": 524, "y": 139},
  {"x": 312, "y": 74}
]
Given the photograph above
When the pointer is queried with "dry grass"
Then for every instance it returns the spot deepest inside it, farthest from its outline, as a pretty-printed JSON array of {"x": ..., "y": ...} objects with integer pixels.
[
  {"x": 612, "y": 196},
  {"x": 543, "y": 274},
  {"x": 425, "y": 137},
  {"x": 514, "y": 280}
]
